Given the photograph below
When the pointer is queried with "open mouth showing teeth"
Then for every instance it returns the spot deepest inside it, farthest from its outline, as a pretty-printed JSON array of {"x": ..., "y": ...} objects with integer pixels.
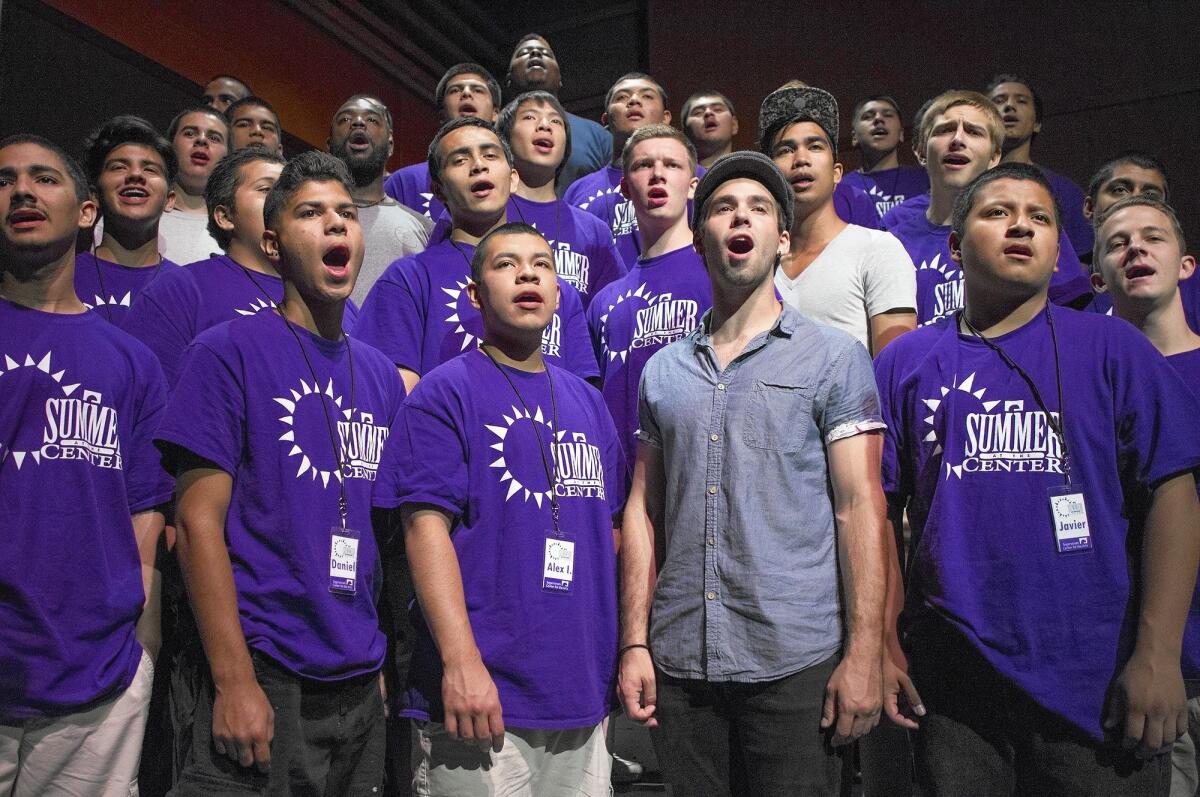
[
  {"x": 337, "y": 257},
  {"x": 134, "y": 193},
  {"x": 741, "y": 244},
  {"x": 956, "y": 160}
]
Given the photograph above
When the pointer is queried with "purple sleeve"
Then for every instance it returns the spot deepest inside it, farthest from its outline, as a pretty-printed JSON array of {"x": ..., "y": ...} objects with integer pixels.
[
  {"x": 393, "y": 187},
  {"x": 425, "y": 459},
  {"x": 895, "y": 482},
  {"x": 854, "y": 207},
  {"x": 392, "y": 319},
  {"x": 147, "y": 484},
  {"x": 206, "y": 414},
  {"x": 578, "y": 356},
  {"x": 162, "y": 318}
]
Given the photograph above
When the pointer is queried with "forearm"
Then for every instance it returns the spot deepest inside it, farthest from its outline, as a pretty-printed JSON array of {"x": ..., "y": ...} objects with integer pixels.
[
  {"x": 895, "y": 581},
  {"x": 147, "y": 528},
  {"x": 862, "y": 547},
  {"x": 438, "y": 583},
  {"x": 1170, "y": 556},
  {"x": 638, "y": 570}
]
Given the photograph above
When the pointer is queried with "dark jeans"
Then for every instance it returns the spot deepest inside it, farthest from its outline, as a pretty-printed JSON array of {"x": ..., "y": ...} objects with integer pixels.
[
  {"x": 329, "y": 740},
  {"x": 983, "y": 736},
  {"x": 746, "y": 738}
]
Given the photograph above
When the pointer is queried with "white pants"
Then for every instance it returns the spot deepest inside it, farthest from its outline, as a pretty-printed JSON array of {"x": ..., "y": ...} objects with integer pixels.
[
  {"x": 1185, "y": 779},
  {"x": 532, "y": 763},
  {"x": 93, "y": 753}
]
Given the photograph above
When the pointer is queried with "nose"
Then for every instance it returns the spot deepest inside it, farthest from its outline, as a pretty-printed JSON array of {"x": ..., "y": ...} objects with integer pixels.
[
  {"x": 478, "y": 164},
  {"x": 526, "y": 272},
  {"x": 543, "y": 123},
  {"x": 335, "y": 223}
]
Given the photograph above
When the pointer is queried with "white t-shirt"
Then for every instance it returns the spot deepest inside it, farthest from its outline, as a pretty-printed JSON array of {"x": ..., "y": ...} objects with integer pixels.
[
  {"x": 183, "y": 237},
  {"x": 860, "y": 274},
  {"x": 390, "y": 231}
]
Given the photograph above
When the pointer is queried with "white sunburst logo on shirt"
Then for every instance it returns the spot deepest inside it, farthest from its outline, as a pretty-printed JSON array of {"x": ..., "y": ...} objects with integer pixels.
[
  {"x": 636, "y": 293},
  {"x": 455, "y": 316},
  {"x": 515, "y": 485},
  {"x": 426, "y": 201},
  {"x": 289, "y": 436},
  {"x": 967, "y": 386},
  {"x": 256, "y": 306},
  {"x": 612, "y": 189},
  {"x": 948, "y": 293},
  {"x": 11, "y": 366},
  {"x": 111, "y": 301}
]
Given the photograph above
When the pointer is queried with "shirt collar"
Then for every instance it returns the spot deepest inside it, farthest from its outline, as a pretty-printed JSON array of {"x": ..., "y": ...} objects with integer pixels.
[{"x": 785, "y": 326}]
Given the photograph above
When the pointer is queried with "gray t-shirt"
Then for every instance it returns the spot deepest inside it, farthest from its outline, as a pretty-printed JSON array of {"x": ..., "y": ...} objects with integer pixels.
[{"x": 391, "y": 231}]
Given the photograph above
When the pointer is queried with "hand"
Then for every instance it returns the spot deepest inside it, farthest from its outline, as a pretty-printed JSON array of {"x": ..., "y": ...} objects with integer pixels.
[
  {"x": 636, "y": 686},
  {"x": 1148, "y": 704},
  {"x": 897, "y": 682},
  {"x": 387, "y": 712},
  {"x": 853, "y": 698},
  {"x": 243, "y": 723},
  {"x": 472, "y": 704}
]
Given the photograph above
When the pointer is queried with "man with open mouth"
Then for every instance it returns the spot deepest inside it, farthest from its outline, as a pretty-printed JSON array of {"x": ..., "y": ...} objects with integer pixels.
[
  {"x": 878, "y": 131},
  {"x": 711, "y": 123},
  {"x": 201, "y": 136}
]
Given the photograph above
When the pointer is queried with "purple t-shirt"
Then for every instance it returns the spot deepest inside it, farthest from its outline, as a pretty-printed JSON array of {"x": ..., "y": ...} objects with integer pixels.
[
  {"x": 913, "y": 206},
  {"x": 247, "y": 401},
  {"x": 110, "y": 288},
  {"x": 660, "y": 301},
  {"x": 1187, "y": 365},
  {"x": 889, "y": 187},
  {"x": 410, "y": 187},
  {"x": 971, "y": 453},
  {"x": 853, "y": 206},
  {"x": 465, "y": 443},
  {"x": 1077, "y": 226},
  {"x": 939, "y": 278},
  {"x": 81, "y": 400},
  {"x": 599, "y": 193},
  {"x": 419, "y": 315},
  {"x": 584, "y": 254},
  {"x": 171, "y": 312}
]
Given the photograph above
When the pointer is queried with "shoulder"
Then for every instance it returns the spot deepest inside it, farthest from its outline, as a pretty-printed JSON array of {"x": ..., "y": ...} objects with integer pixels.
[{"x": 905, "y": 354}]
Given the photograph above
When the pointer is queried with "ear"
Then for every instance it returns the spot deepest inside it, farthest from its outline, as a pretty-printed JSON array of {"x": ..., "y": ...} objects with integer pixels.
[
  {"x": 222, "y": 218},
  {"x": 692, "y": 184},
  {"x": 557, "y": 295},
  {"x": 88, "y": 211},
  {"x": 853, "y": 138},
  {"x": 735, "y": 126},
  {"x": 666, "y": 117},
  {"x": 169, "y": 205},
  {"x": 270, "y": 247},
  {"x": 473, "y": 294},
  {"x": 604, "y": 119},
  {"x": 436, "y": 188},
  {"x": 1089, "y": 209},
  {"x": 995, "y": 159},
  {"x": 1037, "y": 127},
  {"x": 1098, "y": 283},
  {"x": 391, "y": 146},
  {"x": 955, "y": 247},
  {"x": 785, "y": 243},
  {"x": 624, "y": 188},
  {"x": 837, "y": 173},
  {"x": 514, "y": 182},
  {"x": 1187, "y": 267}
]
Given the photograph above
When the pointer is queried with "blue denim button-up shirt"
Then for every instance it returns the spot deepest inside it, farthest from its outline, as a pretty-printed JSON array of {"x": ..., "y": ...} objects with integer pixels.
[{"x": 748, "y": 588}]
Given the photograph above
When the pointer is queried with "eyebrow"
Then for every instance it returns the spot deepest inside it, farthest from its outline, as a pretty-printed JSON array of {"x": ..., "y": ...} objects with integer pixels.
[
  {"x": 546, "y": 253},
  {"x": 34, "y": 169},
  {"x": 732, "y": 199}
]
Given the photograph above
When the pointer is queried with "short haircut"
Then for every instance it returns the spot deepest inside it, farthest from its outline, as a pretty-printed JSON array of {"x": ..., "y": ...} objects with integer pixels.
[
  {"x": 1131, "y": 157},
  {"x": 955, "y": 97},
  {"x": 511, "y": 228},
  {"x": 690, "y": 101},
  {"x": 507, "y": 119},
  {"x": 526, "y": 38},
  {"x": 223, "y": 183},
  {"x": 117, "y": 132},
  {"x": 1137, "y": 201},
  {"x": 918, "y": 120},
  {"x": 889, "y": 99},
  {"x": 434, "y": 161},
  {"x": 1005, "y": 171},
  {"x": 439, "y": 94},
  {"x": 173, "y": 128},
  {"x": 71, "y": 166},
  {"x": 657, "y": 131},
  {"x": 252, "y": 102},
  {"x": 308, "y": 167},
  {"x": 371, "y": 98},
  {"x": 635, "y": 76},
  {"x": 1009, "y": 77},
  {"x": 234, "y": 78}
]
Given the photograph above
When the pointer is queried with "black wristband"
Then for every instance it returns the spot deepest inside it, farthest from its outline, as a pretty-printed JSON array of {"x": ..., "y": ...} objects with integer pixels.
[{"x": 623, "y": 650}]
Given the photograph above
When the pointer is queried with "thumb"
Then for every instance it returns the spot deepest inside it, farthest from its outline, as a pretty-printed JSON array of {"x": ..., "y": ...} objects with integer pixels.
[
  {"x": 910, "y": 694},
  {"x": 827, "y": 711}
]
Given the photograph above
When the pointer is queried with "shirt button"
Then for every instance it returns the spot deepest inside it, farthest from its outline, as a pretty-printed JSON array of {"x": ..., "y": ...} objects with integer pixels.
[
  {"x": 712, "y": 540},
  {"x": 712, "y": 596},
  {"x": 712, "y": 490},
  {"x": 720, "y": 385},
  {"x": 715, "y": 437}
]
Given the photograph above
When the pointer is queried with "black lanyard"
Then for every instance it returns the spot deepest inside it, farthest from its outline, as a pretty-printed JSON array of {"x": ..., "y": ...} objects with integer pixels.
[
  {"x": 550, "y": 466},
  {"x": 557, "y": 203},
  {"x": 100, "y": 277},
  {"x": 1056, "y": 424}
]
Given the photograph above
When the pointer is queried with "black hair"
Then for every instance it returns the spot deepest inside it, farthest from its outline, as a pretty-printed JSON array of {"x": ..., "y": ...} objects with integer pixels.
[
  {"x": 121, "y": 130},
  {"x": 435, "y": 164},
  {"x": 1132, "y": 157},
  {"x": 507, "y": 119},
  {"x": 307, "y": 167},
  {"x": 223, "y": 183},
  {"x": 173, "y": 128},
  {"x": 70, "y": 166},
  {"x": 521, "y": 40},
  {"x": 662, "y": 93},
  {"x": 690, "y": 101},
  {"x": 888, "y": 98},
  {"x": 1009, "y": 77},
  {"x": 371, "y": 98},
  {"x": 511, "y": 228},
  {"x": 234, "y": 78},
  {"x": 251, "y": 101},
  {"x": 466, "y": 68},
  {"x": 1005, "y": 171}
]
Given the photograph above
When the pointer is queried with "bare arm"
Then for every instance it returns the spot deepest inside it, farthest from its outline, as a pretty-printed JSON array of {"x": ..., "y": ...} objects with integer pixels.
[
  {"x": 889, "y": 325},
  {"x": 410, "y": 379},
  {"x": 243, "y": 720},
  {"x": 854, "y": 694},
  {"x": 895, "y": 663},
  {"x": 472, "y": 704},
  {"x": 643, "y": 514},
  {"x": 1149, "y": 702},
  {"x": 147, "y": 527}
]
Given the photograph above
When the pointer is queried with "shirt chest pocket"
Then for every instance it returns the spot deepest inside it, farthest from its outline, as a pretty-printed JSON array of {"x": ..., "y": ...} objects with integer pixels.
[{"x": 778, "y": 415}]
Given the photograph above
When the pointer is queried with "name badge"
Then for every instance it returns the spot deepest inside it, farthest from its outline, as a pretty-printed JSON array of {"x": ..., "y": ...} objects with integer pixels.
[
  {"x": 1068, "y": 512},
  {"x": 558, "y": 566},
  {"x": 343, "y": 561}
]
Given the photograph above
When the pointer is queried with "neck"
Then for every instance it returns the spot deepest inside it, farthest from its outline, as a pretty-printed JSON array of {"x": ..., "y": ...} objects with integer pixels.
[
  {"x": 523, "y": 353},
  {"x": 250, "y": 257},
  {"x": 708, "y": 159},
  {"x": 49, "y": 287},
  {"x": 743, "y": 314},
  {"x": 995, "y": 314},
  {"x": 1021, "y": 153},
  {"x": 471, "y": 229},
  {"x": 320, "y": 319},
  {"x": 132, "y": 248},
  {"x": 941, "y": 204},
  {"x": 619, "y": 140},
  {"x": 369, "y": 194},
  {"x": 879, "y": 161},
  {"x": 812, "y": 233},
  {"x": 1164, "y": 324},
  {"x": 539, "y": 187},
  {"x": 661, "y": 236},
  {"x": 189, "y": 202}
]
